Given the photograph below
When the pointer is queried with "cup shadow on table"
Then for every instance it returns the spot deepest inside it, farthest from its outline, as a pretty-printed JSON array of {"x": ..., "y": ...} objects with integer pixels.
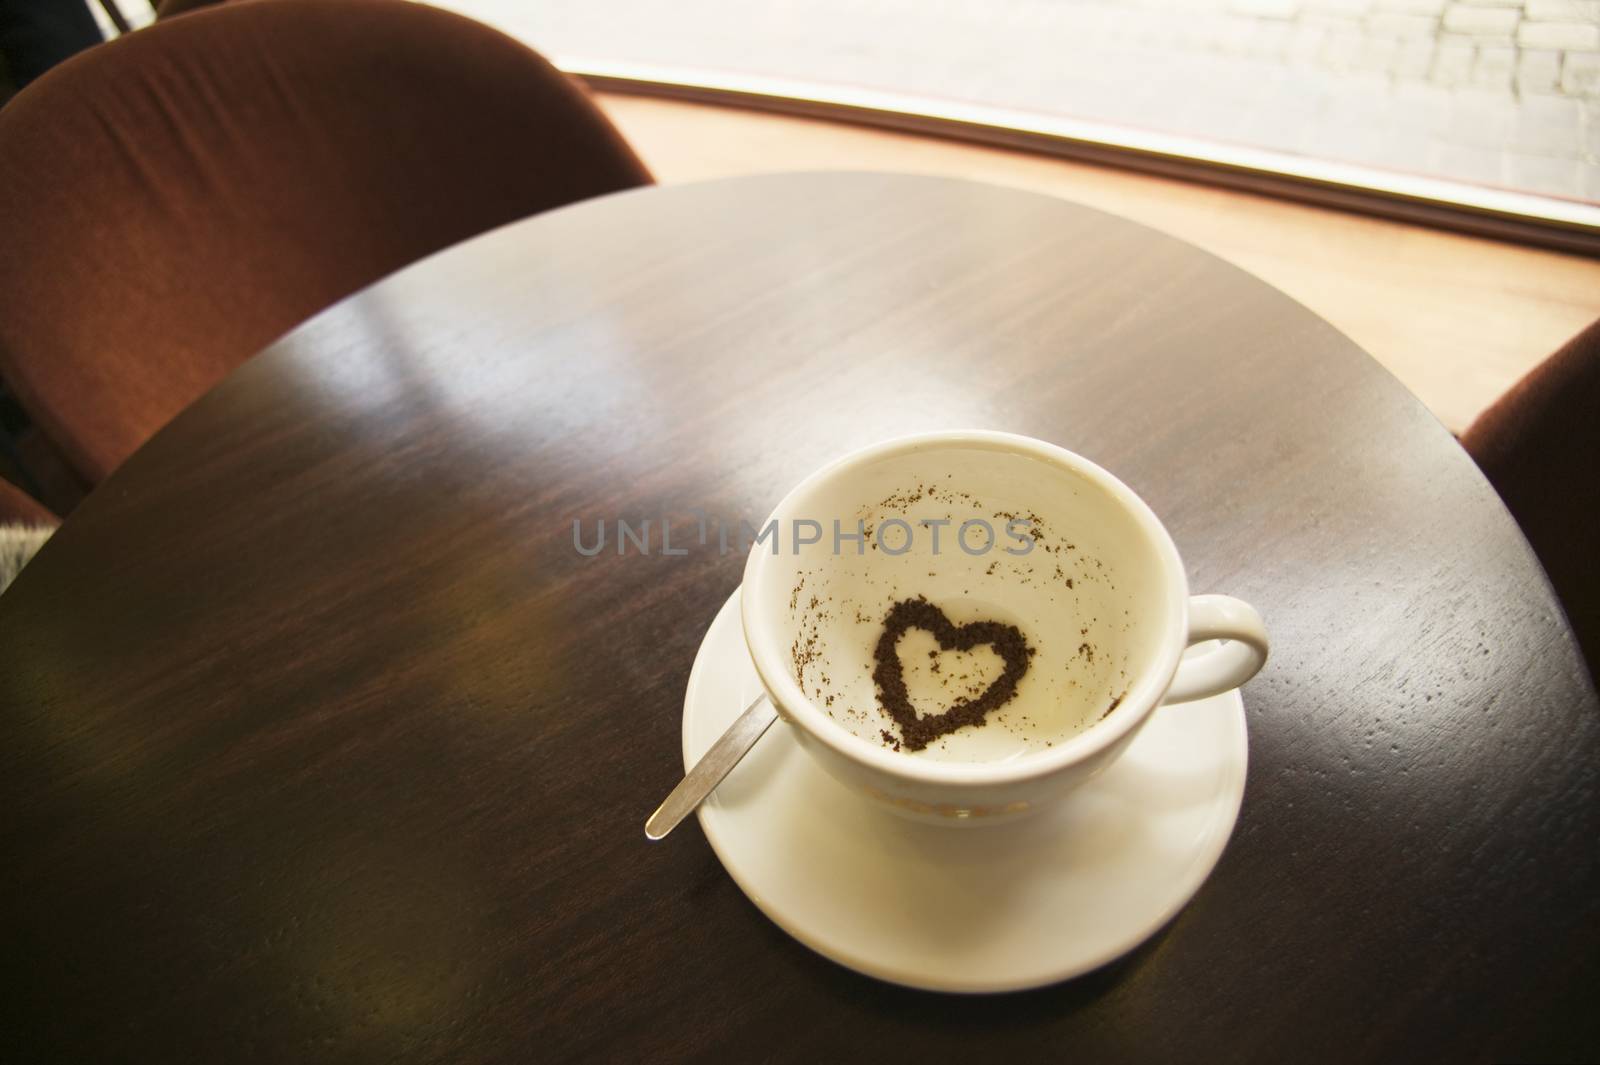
[
  {"x": 1122, "y": 805},
  {"x": 978, "y": 1012}
]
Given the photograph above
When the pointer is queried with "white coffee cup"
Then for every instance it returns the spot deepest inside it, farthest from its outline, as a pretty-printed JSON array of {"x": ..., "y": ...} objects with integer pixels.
[{"x": 1074, "y": 560}]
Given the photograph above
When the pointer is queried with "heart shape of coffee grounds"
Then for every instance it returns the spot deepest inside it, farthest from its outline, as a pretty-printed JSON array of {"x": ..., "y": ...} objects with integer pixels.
[{"x": 917, "y": 732}]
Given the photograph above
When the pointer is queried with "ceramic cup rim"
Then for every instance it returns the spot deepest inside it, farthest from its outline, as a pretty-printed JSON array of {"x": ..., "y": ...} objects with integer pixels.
[{"x": 767, "y": 649}]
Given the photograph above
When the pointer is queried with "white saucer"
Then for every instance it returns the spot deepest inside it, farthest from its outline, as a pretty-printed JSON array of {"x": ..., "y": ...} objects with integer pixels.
[{"x": 982, "y": 908}]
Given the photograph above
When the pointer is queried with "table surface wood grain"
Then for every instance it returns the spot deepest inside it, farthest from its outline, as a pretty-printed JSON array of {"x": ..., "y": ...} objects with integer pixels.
[{"x": 319, "y": 740}]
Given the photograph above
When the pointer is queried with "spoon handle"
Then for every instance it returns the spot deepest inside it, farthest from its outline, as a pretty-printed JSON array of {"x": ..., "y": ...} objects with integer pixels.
[{"x": 708, "y": 772}]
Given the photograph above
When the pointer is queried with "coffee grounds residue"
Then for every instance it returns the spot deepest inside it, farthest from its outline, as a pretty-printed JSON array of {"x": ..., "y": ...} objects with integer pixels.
[
  {"x": 1116, "y": 701},
  {"x": 917, "y": 732}
]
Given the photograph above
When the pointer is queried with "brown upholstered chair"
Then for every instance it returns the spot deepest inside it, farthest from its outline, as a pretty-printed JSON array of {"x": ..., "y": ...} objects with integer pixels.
[
  {"x": 168, "y": 8},
  {"x": 1539, "y": 445},
  {"x": 179, "y": 197},
  {"x": 19, "y": 508}
]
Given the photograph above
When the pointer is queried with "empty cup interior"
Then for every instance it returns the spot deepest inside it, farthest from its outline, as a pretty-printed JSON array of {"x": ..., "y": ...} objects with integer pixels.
[{"x": 983, "y": 533}]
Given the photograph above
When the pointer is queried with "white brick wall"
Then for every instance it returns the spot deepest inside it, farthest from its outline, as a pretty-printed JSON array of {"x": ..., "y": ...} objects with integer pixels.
[
  {"x": 1399, "y": 24},
  {"x": 1460, "y": 88},
  {"x": 1548, "y": 125},
  {"x": 1562, "y": 10},
  {"x": 1413, "y": 60},
  {"x": 1564, "y": 36},
  {"x": 1377, "y": 54},
  {"x": 1580, "y": 75},
  {"x": 1284, "y": 9},
  {"x": 1481, "y": 21},
  {"x": 1350, "y": 8},
  {"x": 1452, "y": 64},
  {"x": 1494, "y": 68},
  {"x": 1538, "y": 71},
  {"x": 1413, "y": 7}
]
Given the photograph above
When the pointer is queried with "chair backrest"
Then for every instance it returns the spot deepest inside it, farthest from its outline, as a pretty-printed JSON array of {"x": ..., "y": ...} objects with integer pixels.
[
  {"x": 174, "y": 200},
  {"x": 1539, "y": 445},
  {"x": 168, "y": 8},
  {"x": 19, "y": 508}
]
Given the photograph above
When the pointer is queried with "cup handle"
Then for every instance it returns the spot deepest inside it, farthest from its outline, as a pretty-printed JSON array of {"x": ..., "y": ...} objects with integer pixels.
[{"x": 1222, "y": 668}]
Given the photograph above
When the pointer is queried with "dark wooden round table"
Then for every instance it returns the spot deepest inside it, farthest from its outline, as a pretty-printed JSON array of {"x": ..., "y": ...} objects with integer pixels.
[{"x": 319, "y": 740}]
